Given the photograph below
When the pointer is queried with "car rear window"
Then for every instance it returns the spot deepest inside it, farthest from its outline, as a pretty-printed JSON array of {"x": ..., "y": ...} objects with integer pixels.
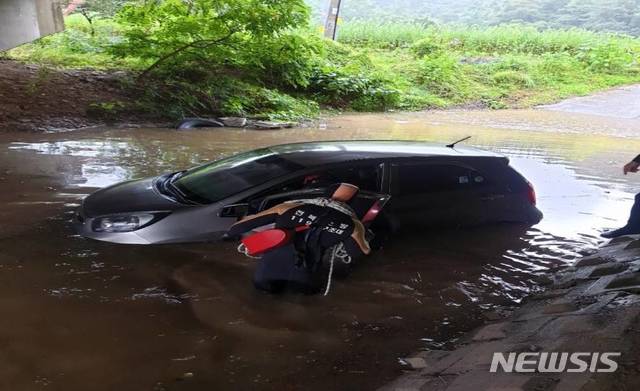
[
  {"x": 431, "y": 178},
  {"x": 223, "y": 178}
]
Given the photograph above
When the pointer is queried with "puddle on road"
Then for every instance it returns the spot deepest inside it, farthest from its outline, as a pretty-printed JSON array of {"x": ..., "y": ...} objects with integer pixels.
[{"x": 78, "y": 312}]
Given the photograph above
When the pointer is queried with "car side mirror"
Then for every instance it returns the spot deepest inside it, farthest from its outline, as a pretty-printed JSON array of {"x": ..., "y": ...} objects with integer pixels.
[{"x": 235, "y": 210}]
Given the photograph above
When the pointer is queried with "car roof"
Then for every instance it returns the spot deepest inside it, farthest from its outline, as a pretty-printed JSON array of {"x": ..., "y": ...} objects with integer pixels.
[{"x": 329, "y": 152}]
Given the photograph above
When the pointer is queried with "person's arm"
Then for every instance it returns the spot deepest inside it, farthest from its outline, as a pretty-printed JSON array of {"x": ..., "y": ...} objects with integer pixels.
[
  {"x": 265, "y": 217},
  {"x": 632, "y": 166}
]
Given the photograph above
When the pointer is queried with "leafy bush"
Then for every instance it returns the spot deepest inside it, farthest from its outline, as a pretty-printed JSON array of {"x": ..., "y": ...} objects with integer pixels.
[
  {"x": 607, "y": 57},
  {"x": 348, "y": 79},
  {"x": 355, "y": 91},
  {"x": 286, "y": 61},
  {"x": 171, "y": 33},
  {"x": 441, "y": 74},
  {"x": 558, "y": 63},
  {"x": 270, "y": 104},
  {"x": 224, "y": 96},
  {"x": 427, "y": 47}
]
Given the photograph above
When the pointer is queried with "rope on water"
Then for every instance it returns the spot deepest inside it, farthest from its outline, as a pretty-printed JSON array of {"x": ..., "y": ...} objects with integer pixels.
[{"x": 338, "y": 251}]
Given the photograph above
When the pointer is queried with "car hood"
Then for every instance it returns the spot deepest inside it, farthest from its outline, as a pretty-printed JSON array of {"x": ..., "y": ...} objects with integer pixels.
[{"x": 131, "y": 196}]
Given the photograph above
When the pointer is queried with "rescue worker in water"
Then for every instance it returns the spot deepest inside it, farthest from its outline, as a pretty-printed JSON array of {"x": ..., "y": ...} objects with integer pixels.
[
  {"x": 633, "y": 225},
  {"x": 316, "y": 226}
]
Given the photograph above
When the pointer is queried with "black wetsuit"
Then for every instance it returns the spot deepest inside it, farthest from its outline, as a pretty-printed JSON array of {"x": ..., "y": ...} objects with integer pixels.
[{"x": 298, "y": 265}]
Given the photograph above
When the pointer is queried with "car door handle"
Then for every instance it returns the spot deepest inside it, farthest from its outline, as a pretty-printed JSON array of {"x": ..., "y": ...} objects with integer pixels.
[{"x": 491, "y": 197}]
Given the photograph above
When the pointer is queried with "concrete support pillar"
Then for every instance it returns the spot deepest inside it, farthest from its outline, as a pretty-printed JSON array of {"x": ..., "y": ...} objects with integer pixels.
[{"x": 23, "y": 21}]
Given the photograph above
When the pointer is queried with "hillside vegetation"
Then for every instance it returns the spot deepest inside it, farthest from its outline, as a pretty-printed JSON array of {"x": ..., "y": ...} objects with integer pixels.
[
  {"x": 619, "y": 16},
  {"x": 263, "y": 59}
]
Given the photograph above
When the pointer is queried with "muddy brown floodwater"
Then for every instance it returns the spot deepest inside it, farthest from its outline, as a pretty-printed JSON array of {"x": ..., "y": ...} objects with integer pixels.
[{"x": 84, "y": 315}]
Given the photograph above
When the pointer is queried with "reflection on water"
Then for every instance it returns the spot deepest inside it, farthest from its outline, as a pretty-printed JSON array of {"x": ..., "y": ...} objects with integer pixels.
[
  {"x": 101, "y": 175},
  {"x": 79, "y": 312}
]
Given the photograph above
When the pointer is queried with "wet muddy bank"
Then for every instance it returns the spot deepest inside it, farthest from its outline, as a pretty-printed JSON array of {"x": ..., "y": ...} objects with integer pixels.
[
  {"x": 45, "y": 99},
  {"x": 40, "y": 98},
  {"x": 592, "y": 306}
]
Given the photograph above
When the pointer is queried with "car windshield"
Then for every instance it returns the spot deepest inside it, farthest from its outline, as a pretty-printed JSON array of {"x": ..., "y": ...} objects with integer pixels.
[{"x": 223, "y": 178}]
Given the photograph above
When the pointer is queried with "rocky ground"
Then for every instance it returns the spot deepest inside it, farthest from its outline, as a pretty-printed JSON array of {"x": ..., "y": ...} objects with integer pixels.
[
  {"x": 40, "y": 98},
  {"x": 593, "y": 306}
]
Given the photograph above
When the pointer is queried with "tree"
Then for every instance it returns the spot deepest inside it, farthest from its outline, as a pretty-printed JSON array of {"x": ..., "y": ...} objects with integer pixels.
[{"x": 207, "y": 32}]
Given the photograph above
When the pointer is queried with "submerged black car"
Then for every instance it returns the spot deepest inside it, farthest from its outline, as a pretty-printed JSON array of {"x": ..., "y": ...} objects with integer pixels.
[{"x": 430, "y": 186}]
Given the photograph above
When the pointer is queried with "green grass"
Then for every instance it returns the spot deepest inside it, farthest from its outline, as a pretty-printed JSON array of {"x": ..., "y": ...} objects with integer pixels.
[
  {"x": 503, "y": 66},
  {"x": 76, "y": 47},
  {"x": 382, "y": 35},
  {"x": 381, "y": 66},
  {"x": 496, "y": 39}
]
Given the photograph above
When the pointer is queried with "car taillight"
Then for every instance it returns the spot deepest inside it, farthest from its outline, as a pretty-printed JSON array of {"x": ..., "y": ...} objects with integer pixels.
[{"x": 531, "y": 193}]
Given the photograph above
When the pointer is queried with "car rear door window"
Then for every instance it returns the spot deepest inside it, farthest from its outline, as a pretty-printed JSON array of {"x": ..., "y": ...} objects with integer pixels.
[
  {"x": 366, "y": 177},
  {"x": 434, "y": 178}
]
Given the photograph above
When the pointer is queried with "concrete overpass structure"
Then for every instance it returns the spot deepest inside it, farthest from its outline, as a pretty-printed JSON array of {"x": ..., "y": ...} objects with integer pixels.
[{"x": 23, "y": 21}]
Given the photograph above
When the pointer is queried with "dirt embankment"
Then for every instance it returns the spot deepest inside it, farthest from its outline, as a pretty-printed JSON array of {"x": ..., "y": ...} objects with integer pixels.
[{"x": 40, "y": 98}]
